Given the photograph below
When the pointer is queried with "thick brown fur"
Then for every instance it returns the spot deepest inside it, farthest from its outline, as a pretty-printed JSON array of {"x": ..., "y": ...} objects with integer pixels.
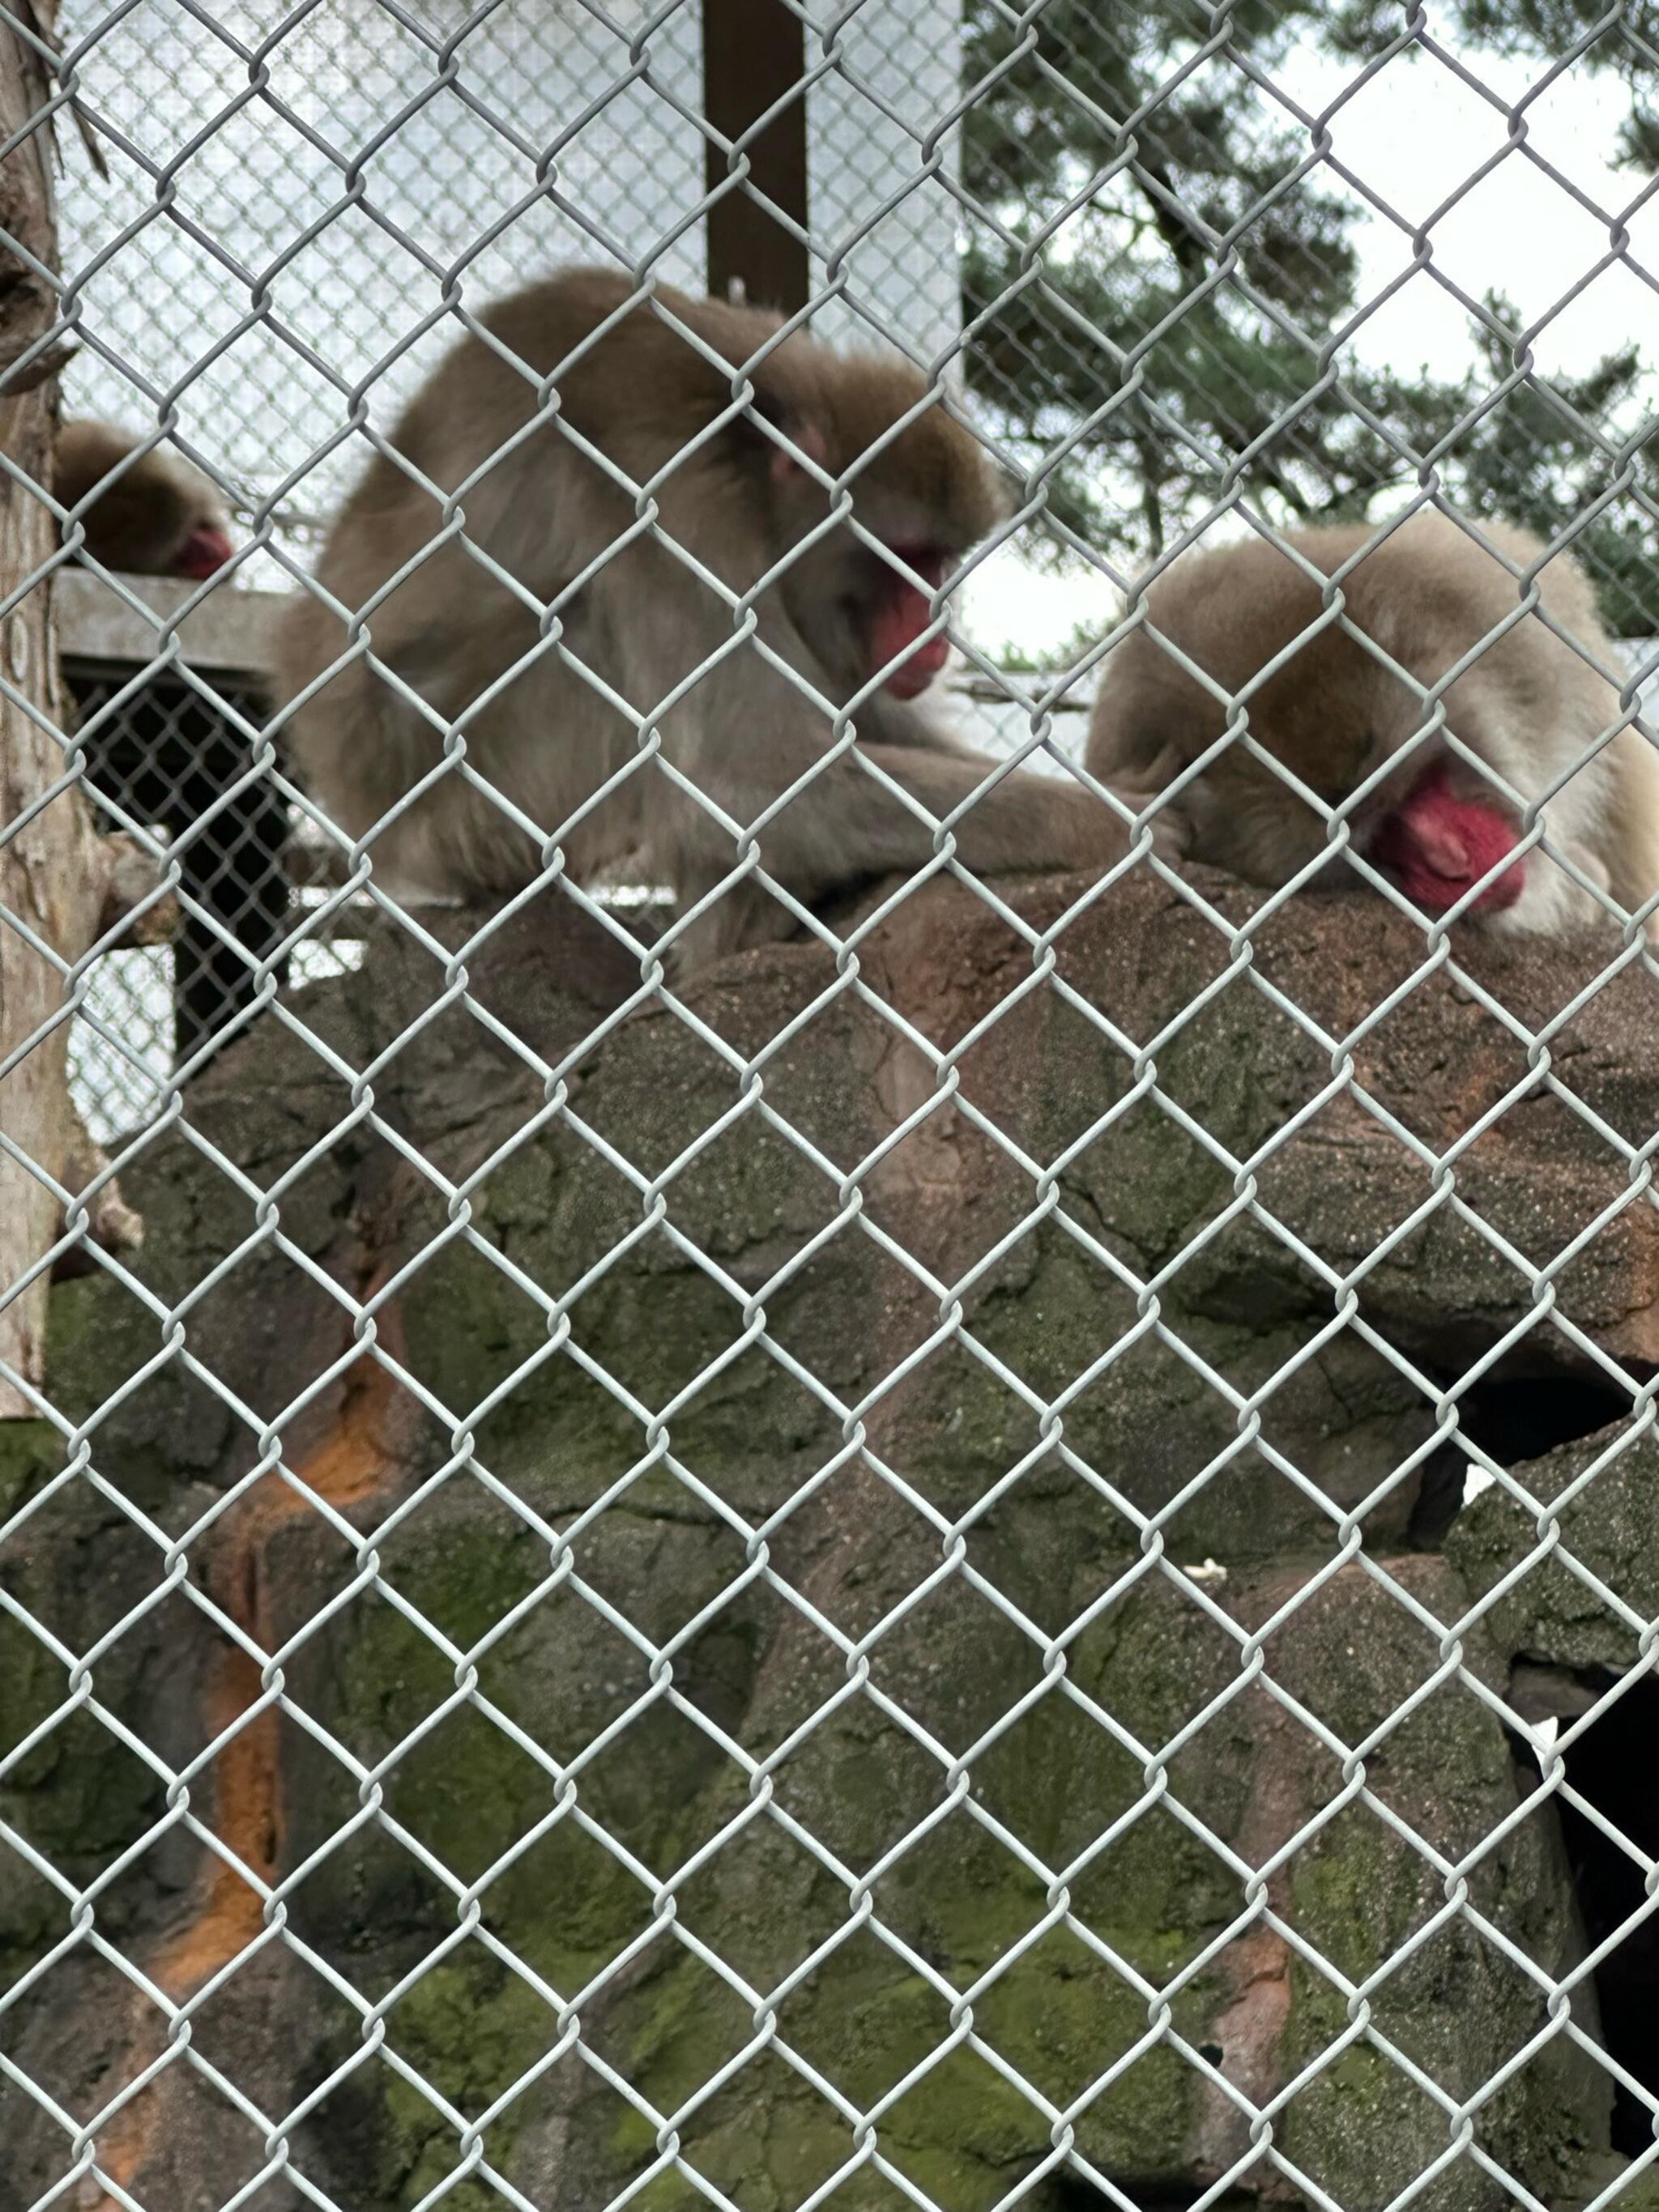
[
  {"x": 640, "y": 631},
  {"x": 1531, "y": 705},
  {"x": 153, "y": 511}
]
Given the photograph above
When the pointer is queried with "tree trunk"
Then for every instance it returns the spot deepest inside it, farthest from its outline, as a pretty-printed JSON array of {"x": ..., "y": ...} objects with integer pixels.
[{"x": 60, "y": 883}]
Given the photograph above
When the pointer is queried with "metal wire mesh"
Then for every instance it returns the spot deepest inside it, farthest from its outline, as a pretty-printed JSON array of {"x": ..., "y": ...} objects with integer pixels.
[
  {"x": 391, "y": 160},
  {"x": 446, "y": 1755}
]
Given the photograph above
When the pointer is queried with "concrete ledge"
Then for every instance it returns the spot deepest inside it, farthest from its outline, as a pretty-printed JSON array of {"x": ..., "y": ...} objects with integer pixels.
[{"x": 228, "y": 634}]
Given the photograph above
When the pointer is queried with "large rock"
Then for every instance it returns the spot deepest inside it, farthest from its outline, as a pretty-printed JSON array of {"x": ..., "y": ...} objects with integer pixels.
[{"x": 657, "y": 1544}]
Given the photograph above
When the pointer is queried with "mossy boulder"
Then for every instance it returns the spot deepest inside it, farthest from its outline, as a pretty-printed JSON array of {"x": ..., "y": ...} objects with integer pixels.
[{"x": 815, "y": 1593}]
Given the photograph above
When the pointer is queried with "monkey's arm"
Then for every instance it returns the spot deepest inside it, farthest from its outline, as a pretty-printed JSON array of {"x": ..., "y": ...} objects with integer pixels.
[
  {"x": 845, "y": 826},
  {"x": 1012, "y": 818}
]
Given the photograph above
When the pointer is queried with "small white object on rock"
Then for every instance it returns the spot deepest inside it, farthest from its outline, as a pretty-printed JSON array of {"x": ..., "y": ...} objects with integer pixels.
[{"x": 1475, "y": 1481}]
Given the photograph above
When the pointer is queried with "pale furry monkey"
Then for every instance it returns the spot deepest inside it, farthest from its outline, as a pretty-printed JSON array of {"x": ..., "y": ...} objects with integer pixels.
[
  {"x": 1530, "y": 706},
  {"x": 643, "y": 625},
  {"x": 159, "y": 515}
]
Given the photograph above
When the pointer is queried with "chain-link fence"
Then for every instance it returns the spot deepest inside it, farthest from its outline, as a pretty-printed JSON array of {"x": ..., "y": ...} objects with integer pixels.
[{"x": 776, "y": 1485}]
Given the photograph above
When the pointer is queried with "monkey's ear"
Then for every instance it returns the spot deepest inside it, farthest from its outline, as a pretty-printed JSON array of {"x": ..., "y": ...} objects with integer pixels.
[
  {"x": 802, "y": 430},
  {"x": 809, "y": 437}
]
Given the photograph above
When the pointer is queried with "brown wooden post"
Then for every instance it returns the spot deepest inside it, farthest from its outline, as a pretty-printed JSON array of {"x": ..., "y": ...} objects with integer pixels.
[
  {"x": 61, "y": 883},
  {"x": 753, "y": 52}
]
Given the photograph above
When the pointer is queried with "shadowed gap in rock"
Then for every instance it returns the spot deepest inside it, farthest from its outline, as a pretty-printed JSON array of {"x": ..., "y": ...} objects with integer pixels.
[
  {"x": 1513, "y": 1418},
  {"x": 1612, "y": 1767},
  {"x": 1072, "y": 2193}
]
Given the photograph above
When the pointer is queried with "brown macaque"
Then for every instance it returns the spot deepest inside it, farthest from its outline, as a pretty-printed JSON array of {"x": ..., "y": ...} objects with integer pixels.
[
  {"x": 550, "y": 709},
  {"x": 157, "y": 516},
  {"x": 1530, "y": 707}
]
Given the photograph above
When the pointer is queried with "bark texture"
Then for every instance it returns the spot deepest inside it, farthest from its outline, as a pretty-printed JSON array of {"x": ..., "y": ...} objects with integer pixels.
[{"x": 61, "y": 885}]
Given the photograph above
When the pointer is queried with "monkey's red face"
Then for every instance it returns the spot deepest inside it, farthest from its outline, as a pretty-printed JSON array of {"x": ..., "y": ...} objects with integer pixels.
[
  {"x": 900, "y": 616},
  {"x": 1437, "y": 844},
  {"x": 203, "y": 553}
]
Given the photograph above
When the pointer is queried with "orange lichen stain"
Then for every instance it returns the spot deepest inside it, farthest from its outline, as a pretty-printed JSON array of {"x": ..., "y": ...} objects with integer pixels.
[
  {"x": 246, "y": 1800},
  {"x": 351, "y": 1463}
]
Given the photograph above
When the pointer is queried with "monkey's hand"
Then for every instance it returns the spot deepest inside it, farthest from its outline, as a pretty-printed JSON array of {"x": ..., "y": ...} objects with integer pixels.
[{"x": 1172, "y": 836}]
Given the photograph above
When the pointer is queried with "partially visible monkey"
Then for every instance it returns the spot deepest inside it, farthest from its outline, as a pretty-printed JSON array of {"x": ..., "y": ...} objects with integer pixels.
[
  {"x": 1529, "y": 707},
  {"x": 550, "y": 719},
  {"x": 158, "y": 517}
]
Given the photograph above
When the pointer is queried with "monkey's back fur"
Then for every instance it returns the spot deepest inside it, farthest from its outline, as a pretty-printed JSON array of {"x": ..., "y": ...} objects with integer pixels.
[
  {"x": 582, "y": 644},
  {"x": 1531, "y": 704}
]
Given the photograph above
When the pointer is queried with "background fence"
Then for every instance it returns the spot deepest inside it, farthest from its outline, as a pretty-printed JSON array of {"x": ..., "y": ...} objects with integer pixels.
[{"x": 1015, "y": 1566}]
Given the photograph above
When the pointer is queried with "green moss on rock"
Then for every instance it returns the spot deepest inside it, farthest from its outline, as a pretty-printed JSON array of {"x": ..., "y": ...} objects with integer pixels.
[{"x": 470, "y": 2029}]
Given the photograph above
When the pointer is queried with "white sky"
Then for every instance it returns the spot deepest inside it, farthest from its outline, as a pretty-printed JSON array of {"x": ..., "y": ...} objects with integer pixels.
[{"x": 1414, "y": 134}]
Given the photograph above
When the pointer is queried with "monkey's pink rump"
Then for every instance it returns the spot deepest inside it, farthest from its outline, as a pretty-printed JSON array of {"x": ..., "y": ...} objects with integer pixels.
[{"x": 1438, "y": 846}]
